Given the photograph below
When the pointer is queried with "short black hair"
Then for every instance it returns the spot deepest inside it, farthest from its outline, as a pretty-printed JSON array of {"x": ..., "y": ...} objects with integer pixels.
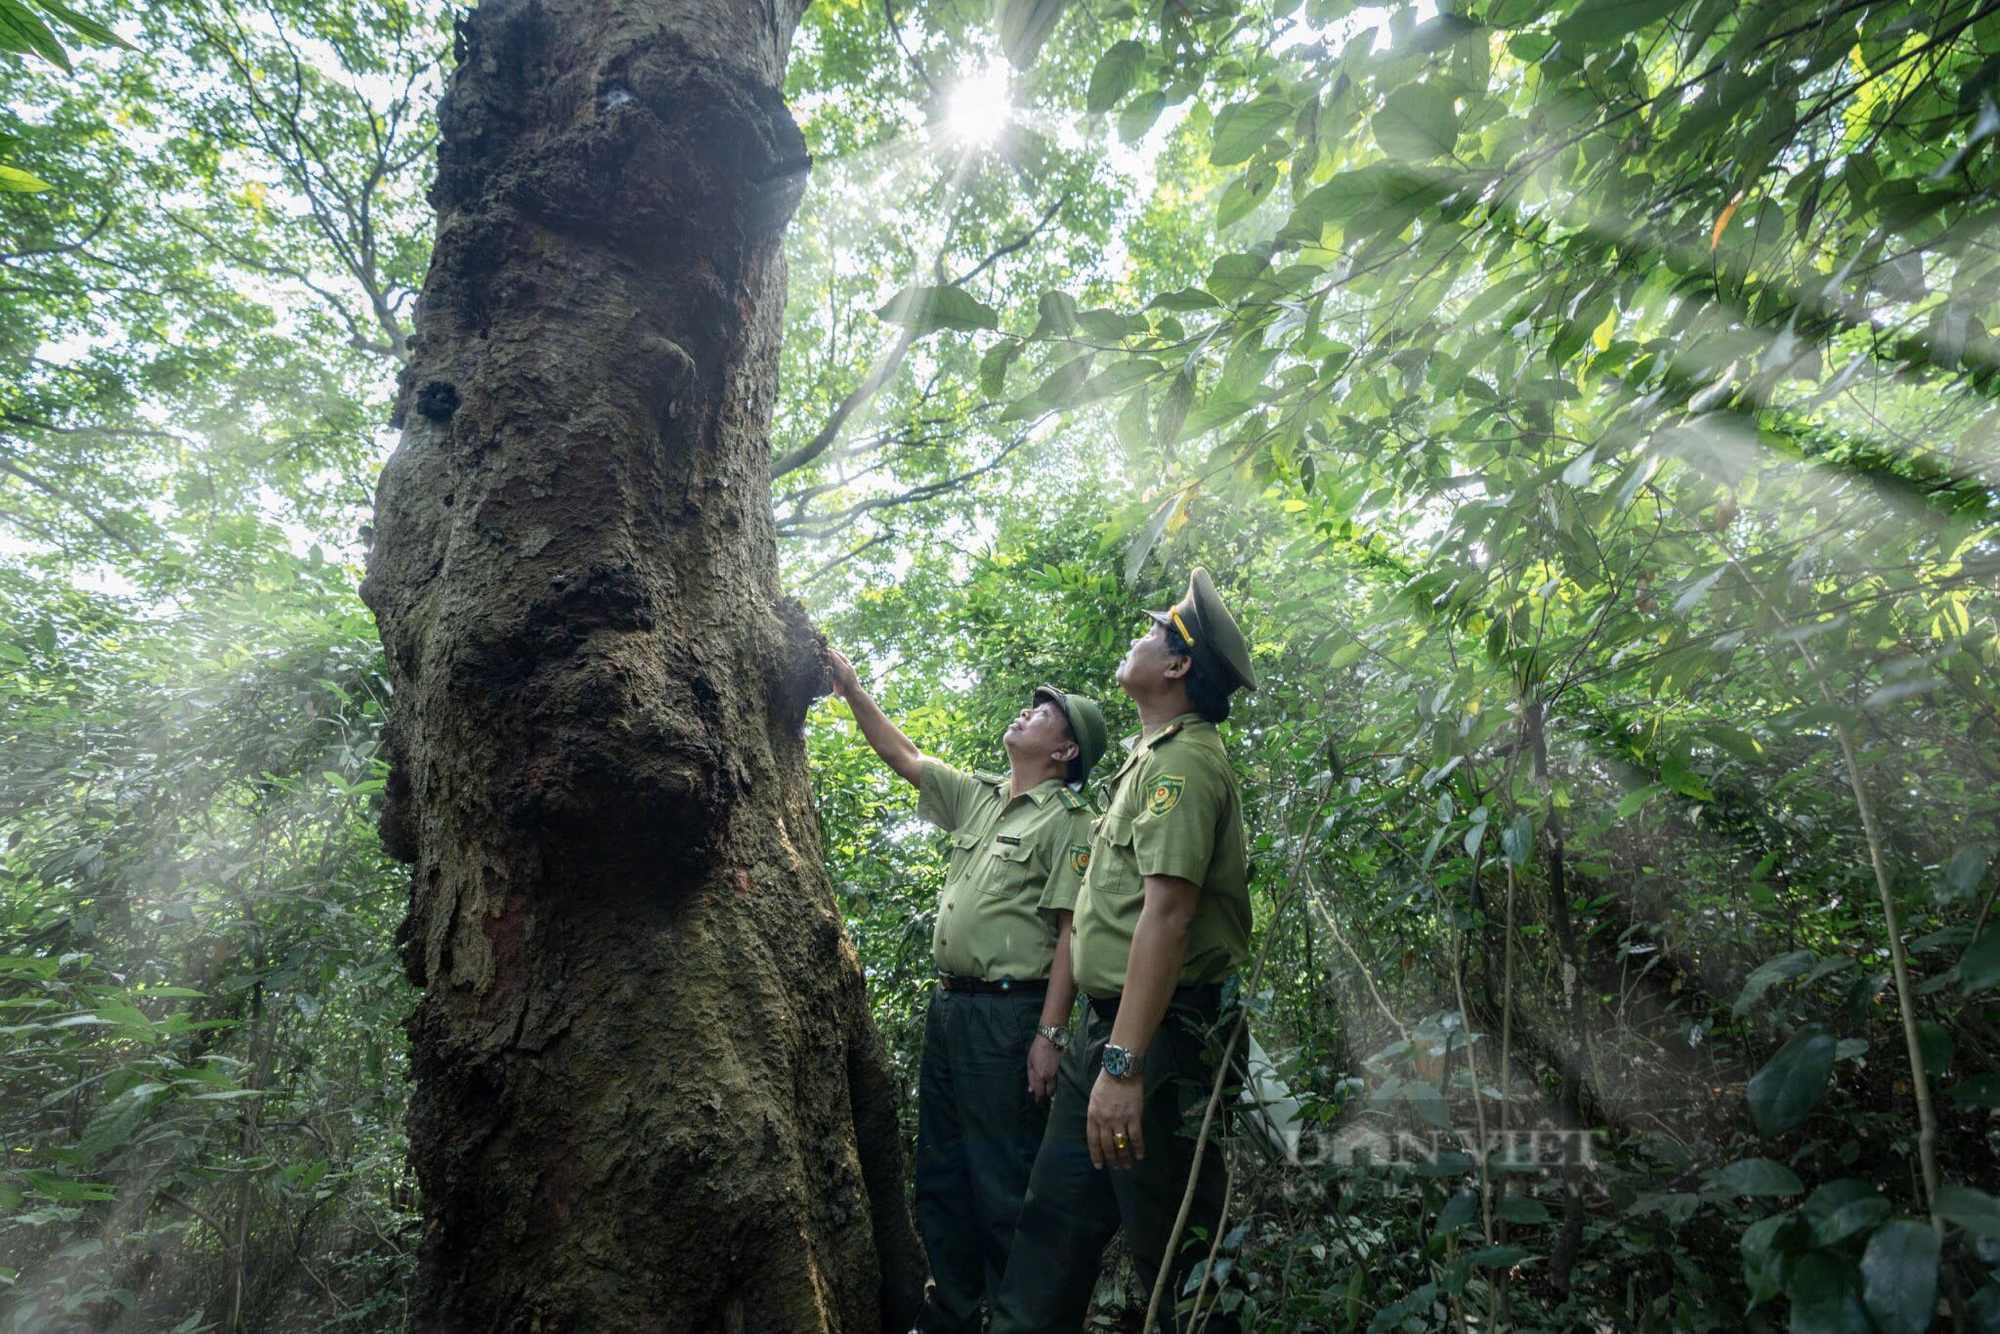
[{"x": 1210, "y": 700}]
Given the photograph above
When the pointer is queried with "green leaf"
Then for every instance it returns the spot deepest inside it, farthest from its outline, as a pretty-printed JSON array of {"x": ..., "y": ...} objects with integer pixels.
[
  {"x": 1935, "y": 1044},
  {"x": 1496, "y": 1257},
  {"x": 1899, "y": 1272},
  {"x": 1057, "y": 391},
  {"x": 1232, "y": 275},
  {"x": 1240, "y": 200},
  {"x": 1790, "y": 1085},
  {"x": 1113, "y": 76},
  {"x": 1821, "y": 1287},
  {"x": 1521, "y": 1209},
  {"x": 1417, "y": 123},
  {"x": 1601, "y": 22},
  {"x": 61, "y": 1189},
  {"x": 116, "y": 1122},
  {"x": 1174, "y": 405},
  {"x": 1973, "y": 1210},
  {"x": 1767, "y": 975},
  {"x": 1963, "y": 873},
  {"x": 993, "y": 366},
  {"x": 1691, "y": 597},
  {"x": 1147, "y": 537},
  {"x": 1392, "y": 1316},
  {"x": 1244, "y": 127},
  {"x": 1756, "y": 1176},
  {"x": 1979, "y": 966},
  {"x": 1458, "y": 1211},
  {"x": 1839, "y": 1209},
  {"x": 1340, "y": 200},
  {"x": 1187, "y": 298},
  {"x": 21, "y": 29},
  {"x": 1139, "y": 115},
  {"x": 1517, "y": 840},
  {"x": 924, "y": 310},
  {"x": 1055, "y": 315},
  {"x": 1767, "y": 1249},
  {"x": 1979, "y": 1091},
  {"x": 1632, "y": 801},
  {"x": 15, "y": 181},
  {"x": 83, "y": 25}
]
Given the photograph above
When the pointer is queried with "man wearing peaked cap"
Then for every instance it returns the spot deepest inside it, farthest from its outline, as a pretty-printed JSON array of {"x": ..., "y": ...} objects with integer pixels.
[
  {"x": 1203, "y": 624},
  {"x": 1000, "y": 1015},
  {"x": 1162, "y": 920}
]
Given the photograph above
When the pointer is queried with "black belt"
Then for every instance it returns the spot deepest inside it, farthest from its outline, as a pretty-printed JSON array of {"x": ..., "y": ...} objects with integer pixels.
[
  {"x": 979, "y": 986},
  {"x": 1207, "y": 998}
]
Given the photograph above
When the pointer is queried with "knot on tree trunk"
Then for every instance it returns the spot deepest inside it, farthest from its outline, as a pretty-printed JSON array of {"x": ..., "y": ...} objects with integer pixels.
[{"x": 801, "y": 673}]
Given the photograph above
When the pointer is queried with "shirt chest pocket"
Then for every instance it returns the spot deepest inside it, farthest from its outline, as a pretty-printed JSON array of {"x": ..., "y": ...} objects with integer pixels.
[
  {"x": 964, "y": 847},
  {"x": 1114, "y": 867},
  {"x": 1007, "y": 868}
]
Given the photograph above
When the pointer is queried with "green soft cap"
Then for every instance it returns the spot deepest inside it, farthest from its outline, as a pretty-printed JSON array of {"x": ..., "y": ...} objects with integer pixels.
[
  {"x": 1086, "y": 724},
  {"x": 1219, "y": 647}
]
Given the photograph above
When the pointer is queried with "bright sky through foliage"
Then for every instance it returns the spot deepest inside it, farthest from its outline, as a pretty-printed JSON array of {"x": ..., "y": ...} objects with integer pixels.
[{"x": 980, "y": 107}]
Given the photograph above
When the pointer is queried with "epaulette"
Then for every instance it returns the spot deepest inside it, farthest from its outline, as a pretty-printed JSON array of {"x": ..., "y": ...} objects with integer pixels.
[
  {"x": 1172, "y": 730},
  {"x": 1069, "y": 799},
  {"x": 989, "y": 778}
]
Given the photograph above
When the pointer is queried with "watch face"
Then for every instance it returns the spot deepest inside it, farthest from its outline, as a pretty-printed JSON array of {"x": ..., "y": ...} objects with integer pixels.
[{"x": 1117, "y": 1062}]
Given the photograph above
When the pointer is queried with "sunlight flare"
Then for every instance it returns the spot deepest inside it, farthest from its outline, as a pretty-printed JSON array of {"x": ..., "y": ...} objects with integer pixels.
[{"x": 980, "y": 108}]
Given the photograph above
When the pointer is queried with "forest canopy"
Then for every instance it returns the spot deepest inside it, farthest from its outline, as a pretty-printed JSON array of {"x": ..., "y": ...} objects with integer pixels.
[{"x": 1587, "y": 408}]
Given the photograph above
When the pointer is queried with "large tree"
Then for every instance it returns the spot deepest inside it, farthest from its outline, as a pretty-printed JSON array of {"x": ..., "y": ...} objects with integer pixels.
[{"x": 648, "y": 1090}]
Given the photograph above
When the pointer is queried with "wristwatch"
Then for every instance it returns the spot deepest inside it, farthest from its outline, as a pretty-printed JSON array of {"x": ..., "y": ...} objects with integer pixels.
[
  {"x": 1058, "y": 1037},
  {"x": 1122, "y": 1063}
]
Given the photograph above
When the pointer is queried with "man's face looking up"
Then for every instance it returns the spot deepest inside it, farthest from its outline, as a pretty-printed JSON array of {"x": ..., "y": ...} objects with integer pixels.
[
  {"x": 1149, "y": 663},
  {"x": 1040, "y": 729}
]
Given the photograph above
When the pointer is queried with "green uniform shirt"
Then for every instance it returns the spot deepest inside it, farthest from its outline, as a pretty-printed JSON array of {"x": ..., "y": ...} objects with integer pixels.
[
  {"x": 1015, "y": 863},
  {"x": 1175, "y": 810}
]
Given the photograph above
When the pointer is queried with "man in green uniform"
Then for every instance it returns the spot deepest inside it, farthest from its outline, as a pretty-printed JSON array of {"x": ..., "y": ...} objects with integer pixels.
[
  {"x": 1000, "y": 1015},
  {"x": 1162, "y": 920}
]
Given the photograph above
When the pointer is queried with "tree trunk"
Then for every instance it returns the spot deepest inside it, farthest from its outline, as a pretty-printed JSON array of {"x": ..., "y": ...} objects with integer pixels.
[{"x": 649, "y": 1094}]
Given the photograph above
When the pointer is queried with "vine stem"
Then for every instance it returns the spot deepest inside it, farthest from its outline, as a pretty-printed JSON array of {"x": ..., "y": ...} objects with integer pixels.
[
  {"x": 1208, "y": 1124},
  {"x": 1496, "y": 1295},
  {"x": 1214, "y": 1248},
  {"x": 1919, "y": 1077}
]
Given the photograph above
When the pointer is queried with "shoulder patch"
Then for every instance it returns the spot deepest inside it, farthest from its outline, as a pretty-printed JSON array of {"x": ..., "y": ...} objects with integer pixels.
[
  {"x": 1164, "y": 793},
  {"x": 1079, "y": 858}
]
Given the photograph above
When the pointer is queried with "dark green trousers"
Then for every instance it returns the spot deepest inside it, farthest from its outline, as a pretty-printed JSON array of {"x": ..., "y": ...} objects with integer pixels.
[
  {"x": 1072, "y": 1208},
  {"x": 977, "y": 1133}
]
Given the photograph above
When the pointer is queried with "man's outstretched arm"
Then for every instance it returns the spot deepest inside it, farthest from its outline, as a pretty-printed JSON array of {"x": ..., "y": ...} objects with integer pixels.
[{"x": 897, "y": 751}]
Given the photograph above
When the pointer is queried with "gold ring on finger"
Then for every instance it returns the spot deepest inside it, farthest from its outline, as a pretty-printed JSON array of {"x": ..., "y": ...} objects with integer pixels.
[{"x": 1119, "y": 1139}]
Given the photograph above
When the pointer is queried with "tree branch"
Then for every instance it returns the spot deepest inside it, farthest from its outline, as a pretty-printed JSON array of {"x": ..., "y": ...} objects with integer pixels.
[{"x": 824, "y": 438}]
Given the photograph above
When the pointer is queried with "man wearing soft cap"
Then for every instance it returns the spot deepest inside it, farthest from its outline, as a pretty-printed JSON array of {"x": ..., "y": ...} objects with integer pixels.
[
  {"x": 1162, "y": 920},
  {"x": 1000, "y": 1014}
]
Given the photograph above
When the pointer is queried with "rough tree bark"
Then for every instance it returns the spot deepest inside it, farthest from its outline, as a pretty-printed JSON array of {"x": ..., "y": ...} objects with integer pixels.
[{"x": 649, "y": 1094}]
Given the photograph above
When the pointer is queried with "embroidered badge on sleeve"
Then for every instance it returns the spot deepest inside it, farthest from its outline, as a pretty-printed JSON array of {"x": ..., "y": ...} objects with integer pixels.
[
  {"x": 1079, "y": 858},
  {"x": 1165, "y": 794}
]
